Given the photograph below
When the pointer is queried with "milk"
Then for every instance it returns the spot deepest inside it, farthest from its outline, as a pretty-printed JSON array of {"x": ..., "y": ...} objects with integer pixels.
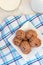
[
  {"x": 37, "y": 6},
  {"x": 9, "y": 5}
]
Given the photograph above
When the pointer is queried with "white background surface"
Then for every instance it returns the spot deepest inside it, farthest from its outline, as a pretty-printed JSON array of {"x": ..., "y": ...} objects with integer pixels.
[{"x": 24, "y": 8}]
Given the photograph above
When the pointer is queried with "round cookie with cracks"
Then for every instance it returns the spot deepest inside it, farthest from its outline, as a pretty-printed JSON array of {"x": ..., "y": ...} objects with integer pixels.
[
  {"x": 31, "y": 33},
  {"x": 25, "y": 47},
  {"x": 17, "y": 41},
  {"x": 20, "y": 34},
  {"x": 35, "y": 42}
]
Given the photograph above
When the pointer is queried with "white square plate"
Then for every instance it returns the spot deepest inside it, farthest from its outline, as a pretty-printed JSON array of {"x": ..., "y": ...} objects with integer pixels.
[{"x": 29, "y": 56}]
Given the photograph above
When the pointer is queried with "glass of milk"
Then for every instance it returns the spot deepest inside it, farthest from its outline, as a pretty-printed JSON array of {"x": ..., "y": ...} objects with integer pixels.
[
  {"x": 9, "y": 5},
  {"x": 37, "y": 6}
]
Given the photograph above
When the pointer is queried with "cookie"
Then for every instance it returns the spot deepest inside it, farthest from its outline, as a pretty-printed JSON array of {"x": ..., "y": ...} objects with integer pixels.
[
  {"x": 25, "y": 39},
  {"x": 35, "y": 42},
  {"x": 25, "y": 47},
  {"x": 20, "y": 34},
  {"x": 17, "y": 41},
  {"x": 31, "y": 33}
]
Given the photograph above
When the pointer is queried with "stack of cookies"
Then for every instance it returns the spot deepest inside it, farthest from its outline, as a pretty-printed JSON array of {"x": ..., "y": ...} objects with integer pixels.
[{"x": 26, "y": 40}]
